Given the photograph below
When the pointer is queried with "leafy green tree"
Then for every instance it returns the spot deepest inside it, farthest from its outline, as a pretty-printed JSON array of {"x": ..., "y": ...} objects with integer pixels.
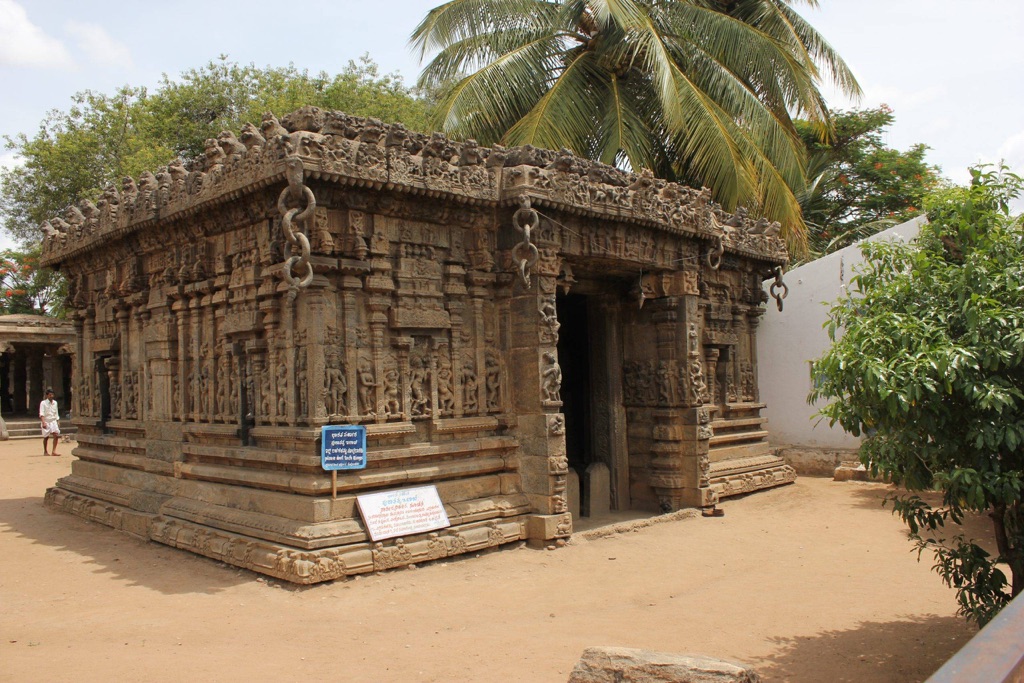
[
  {"x": 26, "y": 288},
  {"x": 102, "y": 138},
  {"x": 927, "y": 362},
  {"x": 695, "y": 90},
  {"x": 856, "y": 184}
]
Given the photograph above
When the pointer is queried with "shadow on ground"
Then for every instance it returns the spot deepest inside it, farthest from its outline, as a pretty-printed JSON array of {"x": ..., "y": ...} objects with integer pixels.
[
  {"x": 104, "y": 550},
  {"x": 876, "y": 652}
]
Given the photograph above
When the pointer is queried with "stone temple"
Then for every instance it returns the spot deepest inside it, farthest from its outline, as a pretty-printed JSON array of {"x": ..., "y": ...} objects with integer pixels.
[{"x": 505, "y": 323}]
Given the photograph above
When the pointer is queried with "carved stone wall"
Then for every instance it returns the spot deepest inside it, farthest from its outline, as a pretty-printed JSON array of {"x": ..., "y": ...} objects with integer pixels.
[{"x": 323, "y": 269}]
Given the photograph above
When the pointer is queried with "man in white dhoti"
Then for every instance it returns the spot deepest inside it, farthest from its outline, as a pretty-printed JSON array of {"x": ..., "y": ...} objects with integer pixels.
[{"x": 48, "y": 416}]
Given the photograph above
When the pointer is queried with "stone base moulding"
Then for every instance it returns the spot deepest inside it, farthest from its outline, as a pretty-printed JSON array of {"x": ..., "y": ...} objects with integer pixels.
[{"x": 288, "y": 562}]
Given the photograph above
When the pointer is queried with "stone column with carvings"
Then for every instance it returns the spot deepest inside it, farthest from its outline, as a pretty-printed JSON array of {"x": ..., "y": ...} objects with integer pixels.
[
  {"x": 159, "y": 335},
  {"x": 536, "y": 399},
  {"x": 680, "y": 463}
]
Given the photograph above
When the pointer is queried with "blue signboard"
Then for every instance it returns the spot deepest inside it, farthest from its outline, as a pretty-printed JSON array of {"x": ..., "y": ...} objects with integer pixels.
[{"x": 344, "y": 447}]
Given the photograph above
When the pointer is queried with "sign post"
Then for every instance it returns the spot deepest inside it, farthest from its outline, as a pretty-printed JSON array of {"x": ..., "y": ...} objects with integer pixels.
[{"x": 343, "y": 447}]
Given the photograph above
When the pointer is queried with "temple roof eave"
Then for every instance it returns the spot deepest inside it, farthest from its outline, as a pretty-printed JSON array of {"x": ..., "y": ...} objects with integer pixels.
[{"x": 434, "y": 167}]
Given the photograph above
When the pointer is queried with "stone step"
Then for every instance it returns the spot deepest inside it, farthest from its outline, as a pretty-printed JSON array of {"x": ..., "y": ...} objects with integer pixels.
[
  {"x": 29, "y": 429},
  {"x": 739, "y": 422},
  {"x": 723, "y": 453},
  {"x": 737, "y": 437}
]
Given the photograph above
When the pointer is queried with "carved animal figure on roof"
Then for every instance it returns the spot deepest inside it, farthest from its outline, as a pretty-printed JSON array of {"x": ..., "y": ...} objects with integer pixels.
[
  {"x": 229, "y": 144},
  {"x": 129, "y": 190},
  {"x": 271, "y": 127},
  {"x": 251, "y": 136},
  {"x": 214, "y": 154},
  {"x": 178, "y": 171},
  {"x": 307, "y": 118}
]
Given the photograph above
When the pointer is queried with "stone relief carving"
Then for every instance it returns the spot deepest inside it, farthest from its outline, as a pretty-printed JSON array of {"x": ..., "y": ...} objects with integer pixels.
[
  {"x": 556, "y": 425},
  {"x": 336, "y": 386},
  {"x": 469, "y": 387},
  {"x": 492, "y": 381},
  {"x": 367, "y": 387},
  {"x": 551, "y": 379}
]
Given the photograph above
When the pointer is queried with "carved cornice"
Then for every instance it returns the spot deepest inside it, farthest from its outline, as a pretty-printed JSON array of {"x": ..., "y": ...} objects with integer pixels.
[{"x": 335, "y": 148}]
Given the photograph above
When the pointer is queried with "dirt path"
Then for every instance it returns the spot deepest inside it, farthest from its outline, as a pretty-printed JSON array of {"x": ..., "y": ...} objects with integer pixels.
[{"x": 811, "y": 582}]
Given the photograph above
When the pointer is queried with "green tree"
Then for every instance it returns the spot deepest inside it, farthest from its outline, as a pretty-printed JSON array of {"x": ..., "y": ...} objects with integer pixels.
[
  {"x": 695, "y": 90},
  {"x": 856, "y": 184},
  {"x": 26, "y": 288},
  {"x": 102, "y": 138},
  {"x": 927, "y": 362}
]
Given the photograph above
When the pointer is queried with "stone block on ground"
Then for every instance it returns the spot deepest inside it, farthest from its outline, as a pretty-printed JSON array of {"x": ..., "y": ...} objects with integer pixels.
[
  {"x": 617, "y": 664},
  {"x": 572, "y": 492},
  {"x": 597, "y": 489}
]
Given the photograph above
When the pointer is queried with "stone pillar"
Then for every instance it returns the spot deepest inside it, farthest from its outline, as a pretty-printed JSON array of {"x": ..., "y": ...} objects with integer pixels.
[
  {"x": 127, "y": 360},
  {"x": 35, "y": 378},
  {"x": 5, "y": 382},
  {"x": 680, "y": 463},
  {"x": 536, "y": 399},
  {"x": 19, "y": 373},
  {"x": 350, "y": 284},
  {"x": 159, "y": 335},
  {"x": 607, "y": 400},
  {"x": 308, "y": 319}
]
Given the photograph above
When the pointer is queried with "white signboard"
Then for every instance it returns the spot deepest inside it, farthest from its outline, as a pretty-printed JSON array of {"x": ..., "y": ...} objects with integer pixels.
[{"x": 402, "y": 512}]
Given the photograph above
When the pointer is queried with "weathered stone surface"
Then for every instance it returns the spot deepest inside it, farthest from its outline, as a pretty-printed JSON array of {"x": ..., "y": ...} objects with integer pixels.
[
  {"x": 597, "y": 488},
  {"x": 619, "y": 664},
  {"x": 325, "y": 269},
  {"x": 819, "y": 462}
]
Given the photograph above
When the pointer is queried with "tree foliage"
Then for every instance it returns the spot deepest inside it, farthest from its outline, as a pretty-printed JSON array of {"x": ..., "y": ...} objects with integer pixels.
[
  {"x": 856, "y": 184},
  {"x": 695, "y": 90},
  {"x": 27, "y": 288},
  {"x": 101, "y": 138},
  {"x": 927, "y": 362}
]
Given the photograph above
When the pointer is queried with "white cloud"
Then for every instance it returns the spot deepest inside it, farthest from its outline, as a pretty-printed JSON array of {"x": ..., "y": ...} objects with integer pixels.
[
  {"x": 904, "y": 98},
  {"x": 9, "y": 160},
  {"x": 1012, "y": 151},
  {"x": 22, "y": 43},
  {"x": 97, "y": 44}
]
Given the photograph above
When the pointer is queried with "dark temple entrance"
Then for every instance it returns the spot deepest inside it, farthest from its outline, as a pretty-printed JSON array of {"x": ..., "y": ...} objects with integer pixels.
[
  {"x": 590, "y": 355},
  {"x": 574, "y": 356}
]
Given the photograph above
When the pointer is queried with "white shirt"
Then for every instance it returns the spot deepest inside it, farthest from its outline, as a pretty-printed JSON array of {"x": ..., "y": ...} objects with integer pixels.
[{"x": 48, "y": 410}]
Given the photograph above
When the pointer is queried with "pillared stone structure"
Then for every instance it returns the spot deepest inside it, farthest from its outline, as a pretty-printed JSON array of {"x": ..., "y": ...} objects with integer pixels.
[{"x": 492, "y": 316}]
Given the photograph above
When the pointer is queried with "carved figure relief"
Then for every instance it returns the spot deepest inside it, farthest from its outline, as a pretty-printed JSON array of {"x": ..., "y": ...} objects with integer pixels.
[
  {"x": 419, "y": 387},
  {"x": 445, "y": 389},
  {"x": 367, "y": 385},
  {"x": 469, "y": 388},
  {"x": 282, "y": 387},
  {"x": 556, "y": 425},
  {"x": 492, "y": 381},
  {"x": 223, "y": 385},
  {"x": 130, "y": 400},
  {"x": 392, "y": 389},
  {"x": 549, "y": 321},
  {"x": 302, "y": 382},
  {"x": 551, "y": 379},
  {"x": 698, "y": 387},
  {"x": 336, "y": 387}
]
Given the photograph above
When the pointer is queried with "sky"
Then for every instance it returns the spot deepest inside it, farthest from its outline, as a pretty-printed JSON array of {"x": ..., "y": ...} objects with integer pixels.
[{"x": 950, "y": 69}]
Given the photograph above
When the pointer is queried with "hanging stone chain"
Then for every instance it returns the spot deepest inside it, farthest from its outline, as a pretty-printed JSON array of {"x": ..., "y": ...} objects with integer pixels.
[
  {"x": 714, "y": 256},
  {"x": 778, "y": 285},
  {"x": 525, "y": 219},
  {"x": 296, "y": 193}
]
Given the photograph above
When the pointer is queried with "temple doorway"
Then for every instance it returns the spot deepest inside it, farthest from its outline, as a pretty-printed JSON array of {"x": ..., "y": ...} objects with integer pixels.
[
  {"x": 574, "y": 357},
  {"x": 590, "y": 355}
]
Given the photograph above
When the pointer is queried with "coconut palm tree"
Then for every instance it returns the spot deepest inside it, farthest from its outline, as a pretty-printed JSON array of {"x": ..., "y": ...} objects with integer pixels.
[{"x": 696, "y": 90}]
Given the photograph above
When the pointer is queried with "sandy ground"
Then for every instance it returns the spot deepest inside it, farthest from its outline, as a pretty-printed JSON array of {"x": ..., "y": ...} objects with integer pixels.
[{"x": 810, "y": 582}]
